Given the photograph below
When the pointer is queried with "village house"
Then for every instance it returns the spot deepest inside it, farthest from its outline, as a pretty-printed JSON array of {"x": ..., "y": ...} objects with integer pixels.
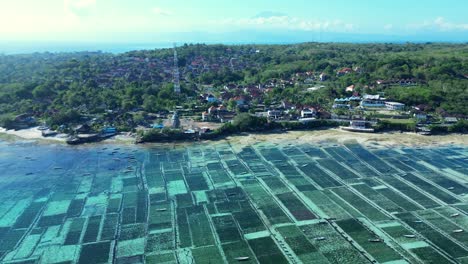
[
  {"x": 217, "y": 114},
  {"x": 372, "y": 101},
  {"x": 344, "y": 71},
  {"x": 394, "y": 106},
  {"x": 308, "y": 112},
  {"x": 341, "y": 103},
  {"x": 350, "y": 88},
  {"x": 274, "y": 114},
  {"x": 240, "y": 100},
  {"x": 211, "y": 98},
  {"x": 323, "y": 77}
]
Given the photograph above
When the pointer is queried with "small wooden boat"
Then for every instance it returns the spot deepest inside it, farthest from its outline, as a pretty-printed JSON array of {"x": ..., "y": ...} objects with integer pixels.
[
  {"x": 161, "y": 209},
  {"x": 410, "y": 236},
  {"x": 242, "y": 258},
  {"x": 455, "y": 215},
  {"x": 450, "y": 188},
  {"x": 417, "y": 221},
  {"x": 375, "y": 240},
  {"x": 58, "y": 168},
  {"x": 458, "y": 231},
  {"x": 320, "y": 238}
]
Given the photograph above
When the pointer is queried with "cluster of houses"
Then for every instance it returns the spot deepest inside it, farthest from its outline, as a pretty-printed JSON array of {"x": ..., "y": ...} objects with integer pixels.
[{"x": 367, "y": 101}]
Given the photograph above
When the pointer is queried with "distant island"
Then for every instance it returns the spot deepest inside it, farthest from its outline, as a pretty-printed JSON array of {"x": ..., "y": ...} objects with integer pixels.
[{"x": 199, "y": 91}]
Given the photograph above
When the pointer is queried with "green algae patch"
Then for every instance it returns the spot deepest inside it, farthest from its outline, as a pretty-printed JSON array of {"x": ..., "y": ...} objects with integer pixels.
[{"x": 132, "y": 247}]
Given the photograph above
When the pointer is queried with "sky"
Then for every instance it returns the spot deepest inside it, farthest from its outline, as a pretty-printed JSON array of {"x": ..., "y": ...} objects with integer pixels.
[{"x": 198, "y": 20}]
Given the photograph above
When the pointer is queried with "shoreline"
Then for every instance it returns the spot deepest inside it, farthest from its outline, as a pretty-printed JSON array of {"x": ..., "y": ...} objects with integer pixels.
[{"x": 332, "y": 135}]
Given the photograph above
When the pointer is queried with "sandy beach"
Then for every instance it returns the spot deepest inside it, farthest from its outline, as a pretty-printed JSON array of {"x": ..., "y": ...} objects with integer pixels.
[
  {"x": 32, "y": 133},
  {"x": 340, "y": 136},
  {"x": 313, "y": 136}
]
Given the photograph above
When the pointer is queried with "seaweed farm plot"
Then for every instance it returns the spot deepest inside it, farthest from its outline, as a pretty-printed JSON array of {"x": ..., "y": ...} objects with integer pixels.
[{"x": 223, "y": 203}]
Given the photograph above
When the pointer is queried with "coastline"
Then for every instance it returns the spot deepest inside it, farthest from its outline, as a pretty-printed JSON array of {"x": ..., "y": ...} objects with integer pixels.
[{"x": 332, "y": 135}]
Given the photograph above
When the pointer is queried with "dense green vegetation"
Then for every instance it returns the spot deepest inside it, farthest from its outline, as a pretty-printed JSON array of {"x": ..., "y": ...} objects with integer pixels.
[{"x": 67, "y": 87}]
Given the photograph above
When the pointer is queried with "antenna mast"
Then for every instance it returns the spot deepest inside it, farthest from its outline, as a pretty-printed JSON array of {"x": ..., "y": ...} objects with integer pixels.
[{"x": 175, "y": 72}]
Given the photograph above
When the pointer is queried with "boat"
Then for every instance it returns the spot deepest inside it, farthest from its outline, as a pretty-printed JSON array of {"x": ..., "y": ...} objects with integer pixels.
[
  {"x": 455, "y": 215},
  {"x": 458, "y": 231},
  {"x": 320, "y": 238},
  {"x": 48, "y": 133},
  {"x": 450, "y": 188},
  {"x": 375, "y": 240},
  {"x": 57, "y": 168},
  {"x": 82, "y": 138},
  {"x": 410, "y": 236},
  {"x": 417, "y": 221},
  {"x": 358, "y": 126},
  {"x": 242, "y": 258},
  {"x": 161, "y": 209}
]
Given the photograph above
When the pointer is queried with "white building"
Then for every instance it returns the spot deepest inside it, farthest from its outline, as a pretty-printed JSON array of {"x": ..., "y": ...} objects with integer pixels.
[
  {"x": 394, "y": 106},
  {"x": 274, "y": 114},
  {"x": 308, "y": 113},
  {"x": 372, "y": 101}
]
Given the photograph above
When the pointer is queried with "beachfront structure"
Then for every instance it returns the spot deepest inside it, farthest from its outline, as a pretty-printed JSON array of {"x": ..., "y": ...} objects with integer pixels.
[
  {"x": 359, "y": 126},
  {"x": 211, "y": 98},
  {"x": 341, "y": 103},
  {"x": 394, "y": 106},
  {"x": 308, "y": 113},
  {"x": 175, "y": 120},
  {"x": 274, "y": 114},
  {"x": 372, "y": 101}
]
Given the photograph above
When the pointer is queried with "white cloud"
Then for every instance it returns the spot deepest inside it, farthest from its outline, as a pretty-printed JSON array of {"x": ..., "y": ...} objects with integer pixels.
[
  {"x": 441, "y": 24},
  {"x": 388, "y": 27},
  {"x": 79, "y": 7},
  {"x": 286, "y": 22},
  {"x": 161, "y": 12}
]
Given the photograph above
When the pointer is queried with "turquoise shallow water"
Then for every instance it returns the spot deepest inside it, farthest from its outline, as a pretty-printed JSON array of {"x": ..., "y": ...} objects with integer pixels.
[{"x": 216, "y": 203}]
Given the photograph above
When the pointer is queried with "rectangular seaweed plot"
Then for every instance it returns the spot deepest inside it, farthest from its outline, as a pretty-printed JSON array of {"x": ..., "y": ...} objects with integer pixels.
[
  {"x": 74, "y": 232},
  {"x": 92, "y": 230},
  {"x": 208, "y": 254},
  {"x": 109, "y": 227},
  {"x": 379, "y": 250},
  {"x": 445, "y": 182},
  {"x": 334, "y": 247},
  {"x": 377, "y": 198},
  {"x": 429, "y": 188},
  {"x": 445, "y": 225},
  {"x": 326, "y": 205},
  {"x": 296, "y": 207},
  {"x": 433, "y": 235},
  {"x": 238, "y": 249},
  {"x": 318, "y": 176},
  {"x": 226, "y": 228},
  {"x": 160, "y": 216},
  {"x": 412, "y": 193},
  {"x": 29, "y": 215},
  {"x": 217, "y": 173},
  {"x": 265, "y": 202},
  {"x": 199, "y": 226},
  {"x": 360, "y": 204},
  {"x": 337, "y": 169},
  {"x": 248, "y": 219},
  {"x": 183, "y": 229},
  {"x": 301, "y": 246},
  {"x": 95, "y": 253},
  {"x": 160, "y": 242},
  {"x": 266, "y": 251},
  {"x": 371, "y": 159}
]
